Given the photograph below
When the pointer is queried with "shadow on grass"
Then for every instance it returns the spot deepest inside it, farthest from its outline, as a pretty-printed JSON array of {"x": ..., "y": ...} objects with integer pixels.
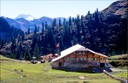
[{"x": 87, "y": 70}]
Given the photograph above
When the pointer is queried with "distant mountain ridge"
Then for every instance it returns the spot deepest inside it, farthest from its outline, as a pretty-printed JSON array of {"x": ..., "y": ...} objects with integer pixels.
[
  {"x": 25, "y": 21},
  {"x": 15, "y": 24},
  {"x": 24, "y": 24},
  {"x": 6, "y": 31}
]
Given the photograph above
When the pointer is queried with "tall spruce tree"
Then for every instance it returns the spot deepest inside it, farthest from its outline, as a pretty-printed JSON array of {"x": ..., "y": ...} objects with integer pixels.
[{"x": 36, "y": 52}]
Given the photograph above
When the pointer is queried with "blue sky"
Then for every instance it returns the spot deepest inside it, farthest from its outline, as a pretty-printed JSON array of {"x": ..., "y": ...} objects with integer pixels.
[{"x": 51, "y": 8}]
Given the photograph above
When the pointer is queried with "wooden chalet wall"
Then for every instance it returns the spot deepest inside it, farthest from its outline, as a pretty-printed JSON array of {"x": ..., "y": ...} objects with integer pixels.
[{"x": 79, "y": 59}]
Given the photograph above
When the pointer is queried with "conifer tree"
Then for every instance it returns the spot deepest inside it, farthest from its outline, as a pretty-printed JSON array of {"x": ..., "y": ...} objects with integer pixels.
[
  {"x": 29, "y": 30},
  {"x": 36, "y": 52},
  {"x": 35, "y": 31},
  {"x": 60, "y": 22},
  {"x": 43, "y": 27}
]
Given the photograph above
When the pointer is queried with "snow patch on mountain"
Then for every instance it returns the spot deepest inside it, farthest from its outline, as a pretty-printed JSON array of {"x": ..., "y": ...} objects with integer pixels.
[{"x": 26, "y": 16}]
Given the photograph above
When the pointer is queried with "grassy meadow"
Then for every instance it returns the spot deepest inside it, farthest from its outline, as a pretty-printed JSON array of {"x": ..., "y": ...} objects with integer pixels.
[{"x": 14, "y": 71}]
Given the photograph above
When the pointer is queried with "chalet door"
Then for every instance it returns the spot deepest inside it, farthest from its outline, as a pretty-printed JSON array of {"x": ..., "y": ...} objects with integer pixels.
[
  {"x": 60, "y": 64},
  {"x": 102, "y": 64}
]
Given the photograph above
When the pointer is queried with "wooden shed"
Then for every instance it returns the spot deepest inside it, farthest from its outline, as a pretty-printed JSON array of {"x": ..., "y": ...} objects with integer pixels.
[{"x": 78, "y": 57}]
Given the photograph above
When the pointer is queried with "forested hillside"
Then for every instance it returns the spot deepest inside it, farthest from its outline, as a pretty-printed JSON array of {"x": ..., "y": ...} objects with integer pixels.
[
  {"x": 7, "y": 33},
  {"x": 101, "y": 32}
]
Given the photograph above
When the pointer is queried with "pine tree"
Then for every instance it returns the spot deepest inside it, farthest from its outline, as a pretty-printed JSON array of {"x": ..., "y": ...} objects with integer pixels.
[
  {"x": 78, "y": 28},
  {"x": 54, "y": 25},
  {"x": 1, "y": 44},
  {"x": 36, "y": 52},
  {"x": 27, "y": 55},
  {"x": 70, "y": 21},
  {"x": 38, "y": 29},
  {"x": 60, "y": 22},
  {"x": 43, "y": 27},
  {"x": 29, "y": 30},
  {"x": 35, "y": 31}
]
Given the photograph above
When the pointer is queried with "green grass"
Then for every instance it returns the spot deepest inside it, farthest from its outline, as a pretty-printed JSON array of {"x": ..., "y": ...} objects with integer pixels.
[
  {"x": 119, "y": 61},
  {"x": 119, "y": 57},
  {"x": 36, "y": 73},
  {"x": 120, "y": 74}
]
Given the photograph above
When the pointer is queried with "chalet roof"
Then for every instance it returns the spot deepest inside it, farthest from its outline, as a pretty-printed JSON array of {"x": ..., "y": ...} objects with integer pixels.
[{"x": 74, "y": 48}]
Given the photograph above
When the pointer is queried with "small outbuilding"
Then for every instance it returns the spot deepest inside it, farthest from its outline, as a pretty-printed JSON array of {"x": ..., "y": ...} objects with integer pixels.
[{"x": 78, "y": 57}]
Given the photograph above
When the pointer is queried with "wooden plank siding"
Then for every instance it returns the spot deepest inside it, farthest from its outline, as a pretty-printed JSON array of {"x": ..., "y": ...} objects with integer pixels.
[
  {"x": 78, "y": 56},
  {"x": 87, "y": 56}
]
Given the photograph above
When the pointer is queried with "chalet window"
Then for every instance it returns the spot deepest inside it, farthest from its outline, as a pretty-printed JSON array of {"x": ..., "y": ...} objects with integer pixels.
[
  {"x": 83, "y": 52},
  {"x": 78, "y": 59},
  {"x": 74, "y": 53},
  {"x": 95, "y": 59},
  {"x": 91, "y": 59},
  {"x": 79, "y": 52},
  {"x": 68, "y": 59},
  {"x": 81, "y": 59},
  {"x": 72, "y": 59}
]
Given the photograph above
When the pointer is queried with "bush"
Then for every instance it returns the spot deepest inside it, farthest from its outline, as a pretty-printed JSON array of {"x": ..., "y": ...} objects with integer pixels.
[
  {"x": 42, "y": 61},
  {"x": 117, "y": 63},
  {"x": 114, "y": 63},
  {"x": 34, "y": 61}
]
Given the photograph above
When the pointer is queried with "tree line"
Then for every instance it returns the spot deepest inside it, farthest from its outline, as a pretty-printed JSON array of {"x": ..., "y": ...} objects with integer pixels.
[{"x": 106, "y": 34}]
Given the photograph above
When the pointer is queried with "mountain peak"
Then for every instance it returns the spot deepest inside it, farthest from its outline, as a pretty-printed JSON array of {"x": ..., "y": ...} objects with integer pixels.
[
  {"x": 25, "y": 16},
  {"x": 117, "y": 8}
]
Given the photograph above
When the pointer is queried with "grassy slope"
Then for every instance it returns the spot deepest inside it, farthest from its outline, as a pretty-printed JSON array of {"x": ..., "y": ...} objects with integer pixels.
[
  {"x": 119, "y": 61},
  {"x": 117, "y": 57},
  {"x": 36, "y": 73},
  {"x": 122, "y": 59}
]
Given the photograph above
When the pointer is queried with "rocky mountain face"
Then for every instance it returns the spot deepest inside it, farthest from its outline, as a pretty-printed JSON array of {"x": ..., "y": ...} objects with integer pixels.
[{"x": 117, "y": 8}]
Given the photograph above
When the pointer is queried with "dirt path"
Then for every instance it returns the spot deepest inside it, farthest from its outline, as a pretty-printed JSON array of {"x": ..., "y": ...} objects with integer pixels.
[{"x": 117, "y": 69}]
